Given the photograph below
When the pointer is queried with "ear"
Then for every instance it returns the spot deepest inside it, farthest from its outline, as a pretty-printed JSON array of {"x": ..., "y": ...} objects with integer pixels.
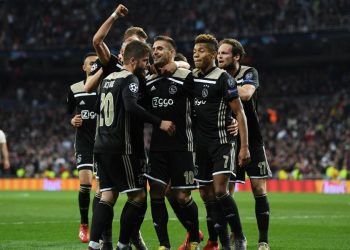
[
  {"x": 83, "y": 67},
  {"x": 237, "y": 57}
]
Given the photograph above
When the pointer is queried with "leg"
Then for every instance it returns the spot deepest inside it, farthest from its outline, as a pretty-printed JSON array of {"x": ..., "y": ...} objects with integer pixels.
[
  {"x": 262, "y": 208},
  {"x": 85, "y": 179},
  {"x": 215, "y": 217},
  {"x": 103, "y": 214},
  {"x": 159, "y": 212},
  {"x": 133, "y": 209},
  {"x": 189, "y": 211},
  {"x": 237, "y": 237}
]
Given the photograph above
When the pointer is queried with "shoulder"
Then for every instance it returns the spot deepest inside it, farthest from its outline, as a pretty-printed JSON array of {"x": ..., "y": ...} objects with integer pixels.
[
  {"x": 77, "y": 87},
  {"x": 216, "y": 74},
  {"x": 181, "y": 73},
  {"x": 247, "y": 73}
]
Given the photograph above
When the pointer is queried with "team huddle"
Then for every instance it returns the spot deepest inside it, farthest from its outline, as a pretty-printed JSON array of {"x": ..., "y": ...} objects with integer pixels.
[{"x": 205, "y": 135}]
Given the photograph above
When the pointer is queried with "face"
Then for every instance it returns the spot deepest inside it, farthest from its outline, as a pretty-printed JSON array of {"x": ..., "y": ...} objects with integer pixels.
[
  {"x": 162, "y": 53},
  {"x": 202, "y": 56},
  {"x": 89, "y": 61},
  {"x": 128, "y": 40},
  {"x": 225, "y": 57},
  {"x": 140, "y": 65}
]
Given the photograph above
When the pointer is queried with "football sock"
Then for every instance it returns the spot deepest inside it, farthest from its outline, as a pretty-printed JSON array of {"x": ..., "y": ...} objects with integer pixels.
[
  {"x": 230, "y": 210},
  {"x": 84, "y": 202},
  {"x": 95, "y": 201},
  {"x": 262, "y": 212},
  {"x": 130, "y": 213},
  {"x": 160, "y": 221},
  {"x": 139, "y": 219},
  {"x": 209, "y": 206},
  {"x": 189, "y": 211},
  {"x": 220, "y": 224},
  {"x": 103, "y": 214},
  {"x": 178, "y": 211}
]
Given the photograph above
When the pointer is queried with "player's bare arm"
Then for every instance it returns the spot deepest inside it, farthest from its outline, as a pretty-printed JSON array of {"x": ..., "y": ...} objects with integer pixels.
[
  {"x": 5, "y": 155},
  {"x": 171, "y": 67},
  {"x": 244, "y": 154},
  {"x": 101, "y": 48},
  {"x": 93, "y": 81},
  {"x": 246, "y": 91}
]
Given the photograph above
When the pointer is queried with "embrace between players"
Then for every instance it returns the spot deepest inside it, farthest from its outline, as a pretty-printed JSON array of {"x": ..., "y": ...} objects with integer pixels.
[{"x": 194, "y": 116}]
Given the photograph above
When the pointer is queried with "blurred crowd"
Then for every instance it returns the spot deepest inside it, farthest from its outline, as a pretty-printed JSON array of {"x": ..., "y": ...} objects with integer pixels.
[
  {"x": 305, "y": 120},
  {"x": 72, "y": 23}
]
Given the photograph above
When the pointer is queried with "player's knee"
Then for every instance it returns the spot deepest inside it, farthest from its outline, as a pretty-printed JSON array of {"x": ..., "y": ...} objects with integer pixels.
[
  {"x": 183, "y": 197},
  {"x": 109, "y": 196},
  {"x": 259, "y": 190}
]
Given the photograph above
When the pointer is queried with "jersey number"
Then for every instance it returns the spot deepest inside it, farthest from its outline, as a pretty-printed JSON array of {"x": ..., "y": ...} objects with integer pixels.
[
  {"x": 263, "y": 168},
  {"x": 189, "y": 176},
  {"x": 107, "y": 108}
]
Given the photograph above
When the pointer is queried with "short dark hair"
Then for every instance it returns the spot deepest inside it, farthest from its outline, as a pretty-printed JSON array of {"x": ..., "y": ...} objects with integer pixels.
[
  {"x": 136, "y": 49},
  {"x": 166, "y": 39},
  {"x": 237, "y": 48},
  {"x": 180, "y": 57},
  {"x": 208, "y": 39},
  {"x": 133, "y": 30},
  {"x": 89, "y": 54}
]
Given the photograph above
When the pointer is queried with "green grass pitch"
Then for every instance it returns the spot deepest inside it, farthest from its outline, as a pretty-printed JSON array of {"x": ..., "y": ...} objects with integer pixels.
[{"x": 49, "y": 220}]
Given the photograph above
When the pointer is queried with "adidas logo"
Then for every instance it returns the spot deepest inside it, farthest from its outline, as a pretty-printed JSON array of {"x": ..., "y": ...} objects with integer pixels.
[
  {"x": 153, "y": 88},
  {"x": 82, "y": 102}
]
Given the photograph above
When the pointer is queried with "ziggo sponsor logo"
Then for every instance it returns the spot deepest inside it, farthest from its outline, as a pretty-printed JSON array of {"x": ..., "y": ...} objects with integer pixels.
[{"x": 161, "y": 102}]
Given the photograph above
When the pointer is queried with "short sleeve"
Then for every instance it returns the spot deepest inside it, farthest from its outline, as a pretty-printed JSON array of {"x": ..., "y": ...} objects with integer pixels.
[
  {"x": 229, "y": 87},
  {"x": 70, "y": 102},
  {"x": 251, "y": 77},
  {"x": 131, "y": 87},
  {"x": 2, "y": 137}
]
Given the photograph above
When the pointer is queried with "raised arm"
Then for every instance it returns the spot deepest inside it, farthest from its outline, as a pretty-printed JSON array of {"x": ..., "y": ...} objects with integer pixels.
[{"x": 101, "y": 48}]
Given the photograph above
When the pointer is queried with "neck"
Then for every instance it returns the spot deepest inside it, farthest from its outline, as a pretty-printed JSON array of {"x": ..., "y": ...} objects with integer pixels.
[
  {"x": 129, "y": 68},
  {"x": 209, "y": 67},
  {"x": 233, "y": 70}
]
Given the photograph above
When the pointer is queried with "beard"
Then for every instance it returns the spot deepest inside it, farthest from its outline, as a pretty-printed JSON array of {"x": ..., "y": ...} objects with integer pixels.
[
  {"x": 140, "y": 73},
  {"x": 229, "y": 66}
]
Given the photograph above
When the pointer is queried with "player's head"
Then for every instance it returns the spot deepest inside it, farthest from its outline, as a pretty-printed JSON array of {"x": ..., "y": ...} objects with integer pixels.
[
  {"x": 89, "y": 60},
  {"x": 230, "y": 53},
  {"x": 136, "y": 55},
  {"x": 205, "y": 51},
  {"x": 135, "y": 33},
  {"x": 164, "y": 50},
  {"x": 131, "y": 34},
  {"x": 180, "y": 57}
]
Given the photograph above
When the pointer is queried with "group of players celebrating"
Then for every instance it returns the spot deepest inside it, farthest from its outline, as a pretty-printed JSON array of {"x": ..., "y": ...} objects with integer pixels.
[{"x": 195, "y": 116}]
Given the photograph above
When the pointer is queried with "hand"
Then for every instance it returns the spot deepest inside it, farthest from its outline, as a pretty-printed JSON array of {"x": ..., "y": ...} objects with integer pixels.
[
  {"x": 244, "y": 156},
  {"x": 76, "y": 121},
  {"x": 168, "y": 69},
  {"x": 168, "y": 126},
  {"x": 121, "y": 11},
  {"x": 6, "y": 164},
  {"x": 233, "y": 127}
]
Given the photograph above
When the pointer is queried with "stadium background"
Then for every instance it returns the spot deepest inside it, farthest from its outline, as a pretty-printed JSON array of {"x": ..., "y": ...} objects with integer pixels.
[{"x": 302, "y": 52}]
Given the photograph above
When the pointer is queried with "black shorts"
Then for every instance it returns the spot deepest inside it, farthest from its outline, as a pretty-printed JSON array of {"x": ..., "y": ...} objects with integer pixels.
[
  {"x": 122, "y": 173},
  {"x": 258, "y": 168},
  {"x": 84, "y": 160},
  {"x": 175, "y": 167},
  {"x": 214, "y": 159}
]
